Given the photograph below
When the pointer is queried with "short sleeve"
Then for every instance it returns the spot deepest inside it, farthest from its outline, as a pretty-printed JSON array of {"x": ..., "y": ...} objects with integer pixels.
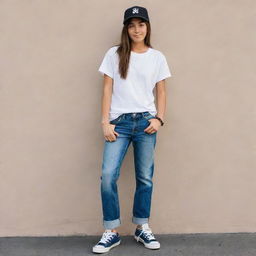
[
  {"x": 163, "y": 71},
  {"x": 106, "y": 66}
]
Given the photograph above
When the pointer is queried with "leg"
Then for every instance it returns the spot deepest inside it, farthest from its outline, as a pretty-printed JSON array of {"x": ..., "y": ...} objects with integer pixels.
[
  {"x": 144, "y": 146},
  {"x": 113, "y": 156}
]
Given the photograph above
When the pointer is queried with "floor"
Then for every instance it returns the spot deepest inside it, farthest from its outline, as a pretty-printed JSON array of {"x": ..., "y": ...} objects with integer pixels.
[{"x": 240, "y": 244}]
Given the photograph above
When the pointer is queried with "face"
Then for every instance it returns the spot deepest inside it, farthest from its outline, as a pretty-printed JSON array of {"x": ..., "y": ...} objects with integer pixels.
[{"x": 137, "y": 29}]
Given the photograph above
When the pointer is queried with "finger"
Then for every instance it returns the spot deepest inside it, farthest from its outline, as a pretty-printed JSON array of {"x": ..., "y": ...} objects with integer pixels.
[
  {"x": 149, "y": 132},
  {"x": 148, "y": 128},
  {"x": 113, "y": 137},
  {"x": 109, "y": 138},
  {"x": 152, "y": 131},
  {"x": 116, "y": 133}
]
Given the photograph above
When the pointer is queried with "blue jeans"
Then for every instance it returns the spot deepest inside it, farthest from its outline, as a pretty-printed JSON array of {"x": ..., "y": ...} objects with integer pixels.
[{"x": 130, "y": 127}]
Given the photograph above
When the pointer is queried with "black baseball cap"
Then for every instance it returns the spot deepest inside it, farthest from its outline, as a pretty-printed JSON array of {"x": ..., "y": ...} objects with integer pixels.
[{"x": 134, "y": 12}]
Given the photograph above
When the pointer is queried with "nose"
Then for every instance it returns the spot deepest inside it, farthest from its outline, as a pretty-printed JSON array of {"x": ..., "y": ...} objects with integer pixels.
[{"x": 136, "y": 29}]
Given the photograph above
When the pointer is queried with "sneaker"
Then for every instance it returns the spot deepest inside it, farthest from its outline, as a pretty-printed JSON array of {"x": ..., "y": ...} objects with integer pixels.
[
  {"x": 145, "y": 236},
  {"x": 108, "y": 240}
]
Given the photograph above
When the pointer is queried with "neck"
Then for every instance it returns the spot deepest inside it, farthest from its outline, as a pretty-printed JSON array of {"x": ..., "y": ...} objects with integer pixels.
[{"x": 139, "y": 47}]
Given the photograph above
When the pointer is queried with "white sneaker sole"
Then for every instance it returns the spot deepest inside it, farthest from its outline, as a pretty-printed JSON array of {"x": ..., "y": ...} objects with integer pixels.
[
  {"x": 149, "y": 246},
  {"x": 104, "y": 249}
]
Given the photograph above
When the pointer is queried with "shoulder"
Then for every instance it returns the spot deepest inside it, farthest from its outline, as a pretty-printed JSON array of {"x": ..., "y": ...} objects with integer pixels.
[
  {"x": 112, "y": 50},
  {"x": 159, "y": 54}
]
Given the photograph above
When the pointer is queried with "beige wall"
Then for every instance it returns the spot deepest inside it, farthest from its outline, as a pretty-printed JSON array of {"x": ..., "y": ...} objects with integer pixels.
[{"x": 51, "y": 137}]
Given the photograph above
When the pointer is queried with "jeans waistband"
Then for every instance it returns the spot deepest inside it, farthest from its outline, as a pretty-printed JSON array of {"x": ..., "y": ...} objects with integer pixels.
[{"x": 134, "y": 115}]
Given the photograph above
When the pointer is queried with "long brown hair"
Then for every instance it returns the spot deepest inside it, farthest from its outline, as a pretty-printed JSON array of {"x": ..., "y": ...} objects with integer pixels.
[{"x": 124, "y": 49}]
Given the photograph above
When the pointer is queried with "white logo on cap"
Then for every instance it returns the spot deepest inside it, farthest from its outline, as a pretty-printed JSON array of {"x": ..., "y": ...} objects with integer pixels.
[{"x": 135, "y": 10}]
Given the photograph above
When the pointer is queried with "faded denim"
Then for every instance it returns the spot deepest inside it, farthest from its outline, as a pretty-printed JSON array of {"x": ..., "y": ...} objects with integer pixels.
[{"x": 130, "y": 127}]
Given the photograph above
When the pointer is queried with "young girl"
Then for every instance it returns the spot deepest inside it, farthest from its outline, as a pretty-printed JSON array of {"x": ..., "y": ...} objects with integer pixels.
[{"x": 131, "y": 70}]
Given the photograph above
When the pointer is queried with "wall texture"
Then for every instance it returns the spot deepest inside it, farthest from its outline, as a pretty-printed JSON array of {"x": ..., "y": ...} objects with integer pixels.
[{"x": 51, "y": 136}]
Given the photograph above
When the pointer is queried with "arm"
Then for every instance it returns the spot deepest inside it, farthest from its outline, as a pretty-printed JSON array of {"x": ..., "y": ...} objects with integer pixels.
[
  {"x": 108, "y": 129},
  {"x": 161, "y": 101},
  {"x": 161, "y": 98},
  {"x": 106, "y": 98}
]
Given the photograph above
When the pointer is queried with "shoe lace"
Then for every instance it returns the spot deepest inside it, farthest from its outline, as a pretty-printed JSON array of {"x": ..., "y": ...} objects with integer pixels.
[
  {"x": 106, "y": 237},
  {"x": 148, "y": 233}
]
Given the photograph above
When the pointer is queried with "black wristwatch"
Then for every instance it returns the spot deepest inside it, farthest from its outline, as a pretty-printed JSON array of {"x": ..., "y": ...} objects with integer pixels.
[{"x": 162, "y": 123}]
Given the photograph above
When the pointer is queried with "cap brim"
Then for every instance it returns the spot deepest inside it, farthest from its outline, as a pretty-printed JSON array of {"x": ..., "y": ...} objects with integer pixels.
[{"x": 135, "y": 17}]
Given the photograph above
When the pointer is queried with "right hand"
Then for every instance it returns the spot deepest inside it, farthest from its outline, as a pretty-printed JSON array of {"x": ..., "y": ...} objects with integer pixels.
[{"x": 109, "y": 132}]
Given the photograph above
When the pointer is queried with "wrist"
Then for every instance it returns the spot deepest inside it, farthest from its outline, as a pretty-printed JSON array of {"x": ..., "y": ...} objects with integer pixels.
[
  {"x": 160, "y": 120},
  {"x": 161, "y": 117}
]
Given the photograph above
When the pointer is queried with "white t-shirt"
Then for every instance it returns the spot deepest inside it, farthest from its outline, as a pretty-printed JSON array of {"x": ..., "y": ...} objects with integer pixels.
[{"x": 135, "y": 93}]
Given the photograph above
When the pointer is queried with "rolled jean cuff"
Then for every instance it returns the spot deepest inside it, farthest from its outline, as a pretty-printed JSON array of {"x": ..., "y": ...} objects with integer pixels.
[
  {"x": 110, "y": 224},
  {"x": 139, "y": 221}
]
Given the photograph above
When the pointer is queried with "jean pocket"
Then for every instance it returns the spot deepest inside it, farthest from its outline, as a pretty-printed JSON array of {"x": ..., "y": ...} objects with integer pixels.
[
  {"x": 147, "y": 116},
  {"x": 116, "y": 120}
]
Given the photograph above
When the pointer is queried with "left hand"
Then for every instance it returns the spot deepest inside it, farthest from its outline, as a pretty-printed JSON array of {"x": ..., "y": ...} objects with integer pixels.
[{"x": 154, "y": 126}]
